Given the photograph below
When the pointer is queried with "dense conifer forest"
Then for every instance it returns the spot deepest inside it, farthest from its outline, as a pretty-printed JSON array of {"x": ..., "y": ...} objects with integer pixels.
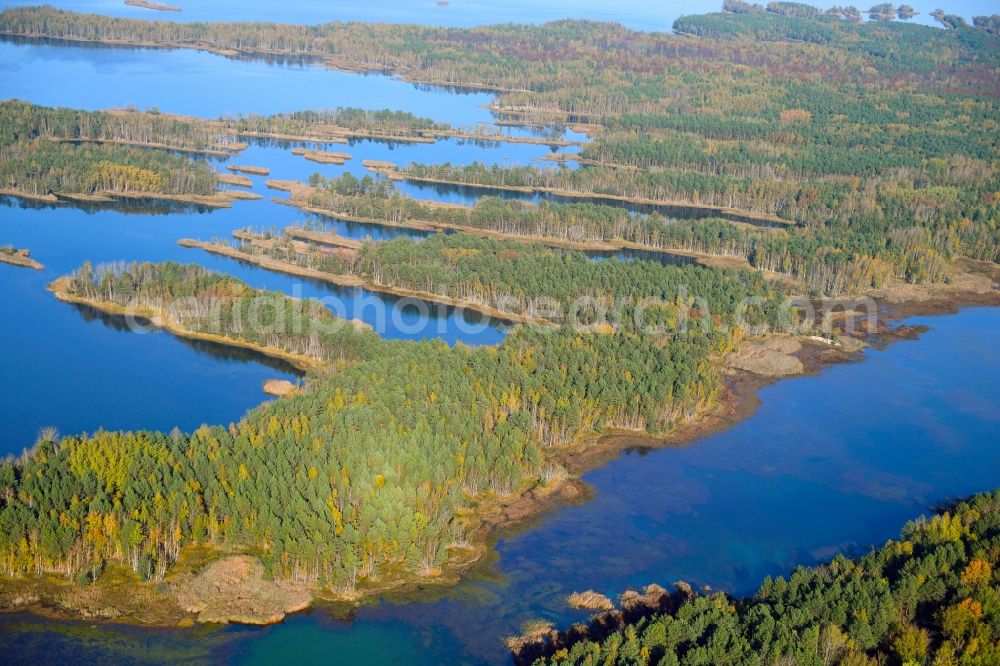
[
  {"x": 44, "y": 151},
  {"x": 930, "y": 597},
  {"x": 871, "y": 149},
  {"x": 827, "y": 259},
  {"x": 205, "y": 302},
  {"x": 367, "y": 471},
  {"x": 527, "y": 278}
]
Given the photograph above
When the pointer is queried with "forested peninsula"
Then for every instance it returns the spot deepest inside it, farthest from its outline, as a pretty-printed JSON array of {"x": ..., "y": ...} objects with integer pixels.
[
  {"x": 930, "y": 597},
  {"x": 385, "y": 468},
  {"x": 517, "y": 281},
  {"x": 834, "y": 158},
  {"x": 823, "y": 261}
]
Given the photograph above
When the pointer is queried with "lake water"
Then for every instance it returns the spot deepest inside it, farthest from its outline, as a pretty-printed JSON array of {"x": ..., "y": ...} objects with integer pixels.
[
  {"x": 860, "y": 445},
  {"x": 79, "y": 372},
  {"x": 203, "y": 84}
]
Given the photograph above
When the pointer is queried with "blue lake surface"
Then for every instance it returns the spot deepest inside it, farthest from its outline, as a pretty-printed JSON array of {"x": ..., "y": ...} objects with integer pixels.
[
  {"x": 198, "y": 83},
  {"x": 203, "y": 84},
  {"x": 77, "y": 373},
  {"x": 829, "y": 463},
  {"x": 125, "y": 380}
]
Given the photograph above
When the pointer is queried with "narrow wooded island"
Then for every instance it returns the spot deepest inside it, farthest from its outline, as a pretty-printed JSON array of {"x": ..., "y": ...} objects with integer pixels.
[{"x": 191, "y": 302}]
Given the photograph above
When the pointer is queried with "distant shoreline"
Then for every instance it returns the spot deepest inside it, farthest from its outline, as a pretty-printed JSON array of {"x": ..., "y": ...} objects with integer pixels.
[
  {"x": 321, "y": 58},
  {"x": 221, "y": 199},
  {"x": 394, "y": 173},
  {"x": 146, "y": 4}
]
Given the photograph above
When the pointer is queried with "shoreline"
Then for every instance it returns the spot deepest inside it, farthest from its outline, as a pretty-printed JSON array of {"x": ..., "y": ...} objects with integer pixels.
[
  {"x": 740, "y": 399},
  {"x": 491, "y": 517},
  {"x": 503, "y": 138},
  {"x": 612, "y": 245},
  {"x": 341, "y": 135},
  {"x": 536, "y": 111},
  {"x": 354, "y": 281},
  {"x": 21, "y": 259},
  {"x": 221, "y": 198},
  {"x": 394, "y": 173},
  {"x": 214, "y": 152},
  {"x": 159, "y": 320},
  {"x": 329, "y": 134},
  {"x": 328, "y": 60}
]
